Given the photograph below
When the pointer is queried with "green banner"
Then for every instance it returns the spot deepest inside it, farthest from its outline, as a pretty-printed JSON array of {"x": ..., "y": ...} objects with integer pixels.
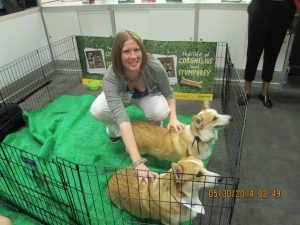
[{"x": 190, "y": 65}]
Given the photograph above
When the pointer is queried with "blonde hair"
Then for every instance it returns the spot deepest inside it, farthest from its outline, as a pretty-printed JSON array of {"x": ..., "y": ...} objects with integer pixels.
[{"x": 116, "y": 51}]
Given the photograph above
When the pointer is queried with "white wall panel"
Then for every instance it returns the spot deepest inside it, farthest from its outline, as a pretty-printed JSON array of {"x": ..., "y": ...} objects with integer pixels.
[
  {"x": 95, "y": 23},
  {"x": 225, "y": 26},
  {"x": 21, "y": 35},
  {"x": 158, "y": 24},
  {"x": 61, "y": 24},
  {"x": 222, "y": 23}
]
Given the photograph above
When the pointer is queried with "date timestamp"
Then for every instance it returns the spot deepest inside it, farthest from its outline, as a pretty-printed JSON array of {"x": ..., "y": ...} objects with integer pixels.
[{"x": 245, "y": 193}]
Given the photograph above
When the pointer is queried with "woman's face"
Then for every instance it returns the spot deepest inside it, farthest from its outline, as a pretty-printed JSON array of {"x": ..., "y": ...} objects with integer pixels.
[{"x": 131, "y": 56}]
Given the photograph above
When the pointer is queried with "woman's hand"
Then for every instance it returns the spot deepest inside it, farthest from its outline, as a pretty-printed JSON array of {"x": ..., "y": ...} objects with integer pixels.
[
  {"x": 177, "y": 125},
  {"x": 144, "y": 173}
]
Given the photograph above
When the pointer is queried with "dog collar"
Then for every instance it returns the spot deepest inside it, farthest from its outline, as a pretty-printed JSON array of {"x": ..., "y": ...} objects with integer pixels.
[{"x": 198, "y": 139}]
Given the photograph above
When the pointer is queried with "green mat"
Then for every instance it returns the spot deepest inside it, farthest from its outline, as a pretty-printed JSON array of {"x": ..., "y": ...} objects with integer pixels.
[{"x": 65, "y": 129}]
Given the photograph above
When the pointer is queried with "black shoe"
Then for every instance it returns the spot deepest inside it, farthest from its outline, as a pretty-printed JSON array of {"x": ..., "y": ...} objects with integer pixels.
[
  {"x": 266, "y": 100},
  {"x": 114, "y": 140},
  {"x": 242, "y": 100}
]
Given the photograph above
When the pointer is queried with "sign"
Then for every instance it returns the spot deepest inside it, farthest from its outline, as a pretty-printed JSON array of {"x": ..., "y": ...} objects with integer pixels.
[{"x": 190, "y": 65}]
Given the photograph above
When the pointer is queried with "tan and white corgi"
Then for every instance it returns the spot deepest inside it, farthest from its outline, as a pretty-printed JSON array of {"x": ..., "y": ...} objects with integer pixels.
[
  {"x": 195, "y": 138},
  {"x": 172, "y": 197}
]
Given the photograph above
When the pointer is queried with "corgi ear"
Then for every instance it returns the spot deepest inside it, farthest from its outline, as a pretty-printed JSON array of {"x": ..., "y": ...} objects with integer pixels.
[
  {"x": 205, "y": 104},
  {"x": 177, "y": 172},
  {"x": 197, "y": 121}
]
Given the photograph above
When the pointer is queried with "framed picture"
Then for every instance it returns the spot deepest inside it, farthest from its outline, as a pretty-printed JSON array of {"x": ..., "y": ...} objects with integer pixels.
[
  {"x": 169, "y": 62},
  {"x": 95, "y": 61}
]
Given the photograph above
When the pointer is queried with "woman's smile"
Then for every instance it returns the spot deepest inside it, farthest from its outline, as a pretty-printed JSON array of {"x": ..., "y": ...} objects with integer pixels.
[{"x": 131, "y": 57}]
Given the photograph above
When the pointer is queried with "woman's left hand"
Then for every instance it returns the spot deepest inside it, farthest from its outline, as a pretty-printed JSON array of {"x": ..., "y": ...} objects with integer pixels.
[{"x": 177, "y": 125}]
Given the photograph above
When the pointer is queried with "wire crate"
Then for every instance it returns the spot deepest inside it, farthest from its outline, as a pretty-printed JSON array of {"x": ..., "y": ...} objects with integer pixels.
[{"x": 59, "y": 191}]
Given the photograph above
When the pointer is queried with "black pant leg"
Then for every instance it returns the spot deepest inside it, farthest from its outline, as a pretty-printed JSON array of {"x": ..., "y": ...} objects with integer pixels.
[
  {"x": 257, "y": 32},
  {"x": 281, "y": 16}
]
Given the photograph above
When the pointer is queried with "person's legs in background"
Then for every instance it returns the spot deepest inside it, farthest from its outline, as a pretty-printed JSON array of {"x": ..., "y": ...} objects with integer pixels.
[
  {"x": 281, "y": 19},
  {"x": 257, "y": 32}
]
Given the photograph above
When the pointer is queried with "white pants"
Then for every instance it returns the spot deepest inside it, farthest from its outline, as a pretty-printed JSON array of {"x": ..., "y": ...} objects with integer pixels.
[{"x": 156, "y": 108}]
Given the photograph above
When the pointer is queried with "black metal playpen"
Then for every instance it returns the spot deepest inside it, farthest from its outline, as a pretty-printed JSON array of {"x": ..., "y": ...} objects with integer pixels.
[{"x": 59, "y": 191}]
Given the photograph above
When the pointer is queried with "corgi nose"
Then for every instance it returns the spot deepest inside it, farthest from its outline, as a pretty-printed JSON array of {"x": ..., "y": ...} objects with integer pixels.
[{"x": 220, "y": 179}]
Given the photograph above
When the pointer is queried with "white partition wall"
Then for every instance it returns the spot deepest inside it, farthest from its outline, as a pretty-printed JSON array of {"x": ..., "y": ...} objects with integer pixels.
[
  {"x": 85, "y": 21},
  {"x": 174, "y": 24},
  {"x": 95, "y": 23},
  {"x": 225, "y": 25},
  {"x": 201, "y": 21},
  {"x": 21, "y": 33},
  {"x": 61, "y": 24}
]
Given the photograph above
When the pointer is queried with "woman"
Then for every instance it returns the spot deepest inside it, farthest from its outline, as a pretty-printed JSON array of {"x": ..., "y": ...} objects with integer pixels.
[
  {"x": 269, "y": 21},
  {"x": 135, "y": 77}
]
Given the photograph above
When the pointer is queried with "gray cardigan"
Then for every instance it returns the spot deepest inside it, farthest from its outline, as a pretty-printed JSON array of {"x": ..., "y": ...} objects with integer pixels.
[{"x": 156, "y": 79}]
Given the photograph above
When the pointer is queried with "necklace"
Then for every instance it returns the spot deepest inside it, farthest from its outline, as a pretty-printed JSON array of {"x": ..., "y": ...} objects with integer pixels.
[{"x": 135, "y": 79}]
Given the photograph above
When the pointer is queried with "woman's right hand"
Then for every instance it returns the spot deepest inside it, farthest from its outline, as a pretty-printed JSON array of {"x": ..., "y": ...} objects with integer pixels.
[
  {"x": 144, "y": 173},
  {"x": 142, "y": 170}
]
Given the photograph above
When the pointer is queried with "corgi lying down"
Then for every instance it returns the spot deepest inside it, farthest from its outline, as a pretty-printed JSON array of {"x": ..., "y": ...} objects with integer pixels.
[
  {"x": 195, "y": 138},
  {"x": 171, "y": 198}
]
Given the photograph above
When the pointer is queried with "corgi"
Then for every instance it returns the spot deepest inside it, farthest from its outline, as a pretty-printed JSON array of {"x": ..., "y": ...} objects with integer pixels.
[
  {"x": 171, "y": 198},
  {"x": 195, "y": 138}
]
